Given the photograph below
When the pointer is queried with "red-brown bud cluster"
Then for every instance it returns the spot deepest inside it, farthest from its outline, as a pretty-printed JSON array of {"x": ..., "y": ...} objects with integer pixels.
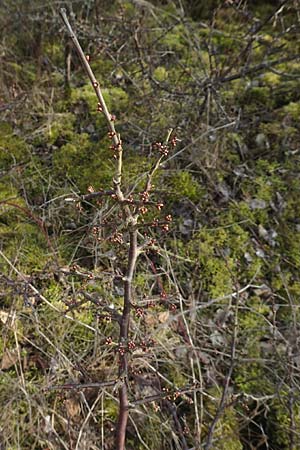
[
  {"x": 115, "y": 147},
  {"x": 90, "y": 189},
  {"x": 162, "y": 148},
  {"x": 135, "y": 371},
  {"x": 144, "y": 346},
  {"x": 186, "y": 429},
  {"x": 174, "y": 141},
  {"x": 150, "y": 304},
  {"x": 108, "y": 341},
  {"x": 168, "y": 393},
  {"x": 131, "y": 345},
  {"x": 176, "y": 395},
  {"x": 111, "y": 134},
  {"x": 95, "y": 230},
  {"x": 143, "y": 210},
  {"x": 139, "y": 312},
  {"x": 117, "y": 238},
  {"x": 121, "y": 349},
  {"x": 144, "y": 196},
  {"x": 99, "y": 107},
  {"x": 130, "y": 198}
]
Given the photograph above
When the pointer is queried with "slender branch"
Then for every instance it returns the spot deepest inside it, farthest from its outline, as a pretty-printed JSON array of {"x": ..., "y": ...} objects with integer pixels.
[
  {"x": 92, "y": 195},
  {"x": 173, "y": 411},
  {"x": 79, "y": 386},
  {"x": 40, "y": 223},
  {"x": 253, "y": 35},
  {"x": 168, "y": 394},
  {"x": 156, "y": 164},
  {"x": 36, "y": 292},
  {"x": 251, "y": 70},
  {"x": 222, "y": 405},
  {"x": 102, "y": 107}
]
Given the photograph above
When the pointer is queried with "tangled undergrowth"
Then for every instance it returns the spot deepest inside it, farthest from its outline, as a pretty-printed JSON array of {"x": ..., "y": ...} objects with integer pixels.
[{"x": 214, "y": 342}]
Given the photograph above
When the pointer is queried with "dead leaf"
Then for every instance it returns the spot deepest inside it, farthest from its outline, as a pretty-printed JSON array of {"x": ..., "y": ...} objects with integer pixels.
[
  {"x": 8, "y": 318},
  {"x": 150, "y": 319},
  {"x": 9, "y": 358},
  {"x": 73, "y": 407},
  {"x": 4, "y": 316},
  {"x": 163, "y": 316}
]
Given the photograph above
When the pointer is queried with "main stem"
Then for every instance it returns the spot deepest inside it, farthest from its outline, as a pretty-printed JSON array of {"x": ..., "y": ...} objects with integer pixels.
[
  {"x": 132, "y": 251},
  {"x": 123, "y": 339}
]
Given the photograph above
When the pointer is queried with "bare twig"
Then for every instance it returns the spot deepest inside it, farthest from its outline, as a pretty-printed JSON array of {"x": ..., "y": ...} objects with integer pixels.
[
  {"x": 79, "y": 386},
  {"x": 36, "y": 291},
  {"x": 102, "y": 107}
]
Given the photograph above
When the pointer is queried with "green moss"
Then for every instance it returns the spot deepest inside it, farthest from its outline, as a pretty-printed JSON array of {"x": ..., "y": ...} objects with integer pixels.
[
  {"x": 160, "y": 73},
  {"x": 115, "y": 97},
  {"x": 221, "y": 253},
  {"x": 53, "y": 50},
  {"x": 183, "y": 184},
  {"x": 293, "y": 109},
  {"x": 84, "y": 162},
  {"x": 174, "y": 39},
  {"x": 290, "y": 241},
  {"x": 226, "y": 435},
  {"x": 227, "y": 432},
  {"x": 279, "y": 421},
  {"x": 251, "y": 376},
  {"x": 271, "y": 79},
  {"x": 13, "y": 149},
  {"x": 111, "y": 409},
  {"x": 256, "y": 97},
  {"x": 19, "y": 230},
  {"x": 62, "y": 127}
]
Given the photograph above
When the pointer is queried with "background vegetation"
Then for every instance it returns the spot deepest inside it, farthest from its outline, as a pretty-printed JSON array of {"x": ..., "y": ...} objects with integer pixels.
[{"x": 216, "y": 323}]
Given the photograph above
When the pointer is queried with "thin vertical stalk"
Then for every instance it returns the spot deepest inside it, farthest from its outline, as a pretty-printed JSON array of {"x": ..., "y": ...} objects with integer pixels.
[
  {"x": 222, "y": 405},
  {"x": 124, "y": 334}
]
